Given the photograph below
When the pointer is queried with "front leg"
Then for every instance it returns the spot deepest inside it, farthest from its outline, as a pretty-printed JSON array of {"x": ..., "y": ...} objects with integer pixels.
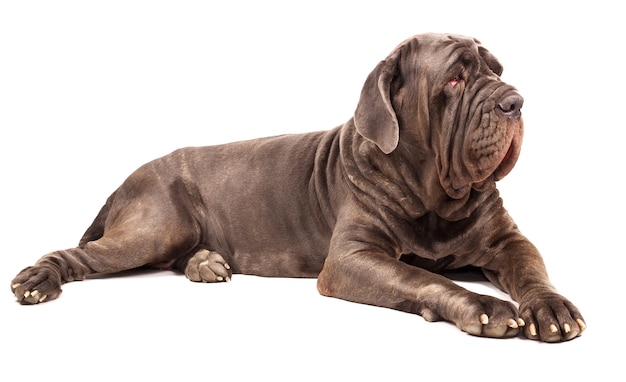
[
  {"x": 520, "y": 271},
  {"x": 367, "y": 273}
]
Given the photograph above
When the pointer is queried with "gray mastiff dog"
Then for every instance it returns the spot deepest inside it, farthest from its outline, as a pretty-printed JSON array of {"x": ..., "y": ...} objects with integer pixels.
[{"x": 375, "y": 209}]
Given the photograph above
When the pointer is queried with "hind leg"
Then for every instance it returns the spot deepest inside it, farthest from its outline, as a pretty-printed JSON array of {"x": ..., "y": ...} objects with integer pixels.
[{"x": 123, "y": 247}]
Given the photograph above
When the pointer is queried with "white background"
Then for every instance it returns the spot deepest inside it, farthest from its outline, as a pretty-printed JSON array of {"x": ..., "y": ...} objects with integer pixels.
[{"x": 91, "y": 90}]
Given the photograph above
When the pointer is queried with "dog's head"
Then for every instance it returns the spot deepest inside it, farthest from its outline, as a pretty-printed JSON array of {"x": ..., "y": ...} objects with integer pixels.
[{"x": 442, "y": 95}]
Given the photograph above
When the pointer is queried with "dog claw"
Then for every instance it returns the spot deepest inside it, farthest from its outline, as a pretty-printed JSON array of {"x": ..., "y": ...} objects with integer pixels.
[
  {"x": 532, "y": 330},
  {"x": 581, "y": 324},
  {"x": 553, "y": 328},
  {"x": 15, "y": 286},
  {"x": 566, "y": 328},
  {"x": 484, "y": 319},
  {"x": 207, "y": 267},
  {"x": 33, "y": 297},
  {"x": 521, "y": 322},
  {"x": 512, "y": 324}
]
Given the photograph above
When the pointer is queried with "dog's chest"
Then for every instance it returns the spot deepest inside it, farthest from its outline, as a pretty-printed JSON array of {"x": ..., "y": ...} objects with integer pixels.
[{"x": 436, "y": 238}]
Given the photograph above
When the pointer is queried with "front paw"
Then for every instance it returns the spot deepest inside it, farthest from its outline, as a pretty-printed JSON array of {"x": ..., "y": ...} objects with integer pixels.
[
  {"x": 550, "y": 317},
  {"x": 36, "y": 284},
  {"x": 488, "y": 316},
  {"x": 478, "y": 315}
]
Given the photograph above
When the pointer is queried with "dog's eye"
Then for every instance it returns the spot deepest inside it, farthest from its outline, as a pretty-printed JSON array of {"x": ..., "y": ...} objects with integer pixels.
[{"x": 454, "y": 81}]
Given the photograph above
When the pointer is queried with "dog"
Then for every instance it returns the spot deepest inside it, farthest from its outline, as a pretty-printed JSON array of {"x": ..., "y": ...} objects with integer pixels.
[{"x": 376, "y": 208}]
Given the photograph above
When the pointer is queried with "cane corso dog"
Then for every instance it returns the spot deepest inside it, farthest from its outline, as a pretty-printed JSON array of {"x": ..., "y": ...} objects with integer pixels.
[{"x": 376, "y": 208}]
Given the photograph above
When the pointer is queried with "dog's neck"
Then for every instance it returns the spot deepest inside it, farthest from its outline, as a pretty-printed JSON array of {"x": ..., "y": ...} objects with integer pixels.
[{"x": 405, "y": 181}]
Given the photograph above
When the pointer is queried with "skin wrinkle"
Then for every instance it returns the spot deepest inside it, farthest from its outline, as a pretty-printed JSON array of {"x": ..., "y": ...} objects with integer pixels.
[
  {"x": 370, "y": 186},
  {"x": 486, "y": 138},
  {"x": 461, "y": 177}
]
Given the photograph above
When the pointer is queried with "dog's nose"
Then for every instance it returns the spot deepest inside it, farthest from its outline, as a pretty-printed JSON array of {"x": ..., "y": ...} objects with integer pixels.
[{"x": 510, "y": 105}]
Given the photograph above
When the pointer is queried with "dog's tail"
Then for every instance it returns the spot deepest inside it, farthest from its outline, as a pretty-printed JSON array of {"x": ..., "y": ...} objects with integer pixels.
[{"x": 96, "y": 230}]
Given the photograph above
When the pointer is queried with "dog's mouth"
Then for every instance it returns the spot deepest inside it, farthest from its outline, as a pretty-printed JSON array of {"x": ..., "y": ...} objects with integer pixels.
[
  {"x": 504, "y": 167},
  {"x": 510, "y": 158}
]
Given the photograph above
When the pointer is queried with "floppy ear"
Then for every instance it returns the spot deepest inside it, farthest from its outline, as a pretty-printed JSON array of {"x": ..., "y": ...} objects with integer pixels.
[{"x": 374, "y": 118}]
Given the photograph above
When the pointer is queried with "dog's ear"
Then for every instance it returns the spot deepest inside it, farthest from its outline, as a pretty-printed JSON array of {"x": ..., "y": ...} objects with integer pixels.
[{"x": 374, "y": 118}]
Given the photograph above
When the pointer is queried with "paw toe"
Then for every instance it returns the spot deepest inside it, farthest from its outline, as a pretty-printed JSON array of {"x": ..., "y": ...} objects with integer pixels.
[
  {"x": 496, "y": 327},
  {"x": 35, "y": 285},
  {"x": 552, "y": 319},
  {"x": 490, "y": 317},
  {"x": 208, "y": 266}
]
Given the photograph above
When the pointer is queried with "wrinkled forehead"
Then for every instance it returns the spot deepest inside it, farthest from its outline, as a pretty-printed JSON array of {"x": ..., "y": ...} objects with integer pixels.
[
  {"x": 440, "y": 51},
  {"x": 447, "y": 46}
]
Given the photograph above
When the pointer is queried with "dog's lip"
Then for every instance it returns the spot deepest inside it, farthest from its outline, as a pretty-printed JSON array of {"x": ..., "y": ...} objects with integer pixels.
[{"x": 510, "y": 158}]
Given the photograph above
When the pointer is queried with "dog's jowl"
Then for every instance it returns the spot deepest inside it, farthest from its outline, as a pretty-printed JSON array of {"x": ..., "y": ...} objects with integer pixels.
[{"x": 375, "y": 208}]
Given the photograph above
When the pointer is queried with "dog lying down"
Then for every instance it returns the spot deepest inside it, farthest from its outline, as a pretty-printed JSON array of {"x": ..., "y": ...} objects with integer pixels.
[{"x": 375, "y": 209}]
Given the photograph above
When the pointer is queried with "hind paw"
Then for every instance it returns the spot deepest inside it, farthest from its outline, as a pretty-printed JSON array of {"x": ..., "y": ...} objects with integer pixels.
[
  {"x": 35, "y": 285},
  {"x": 208, "y": 266}
]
